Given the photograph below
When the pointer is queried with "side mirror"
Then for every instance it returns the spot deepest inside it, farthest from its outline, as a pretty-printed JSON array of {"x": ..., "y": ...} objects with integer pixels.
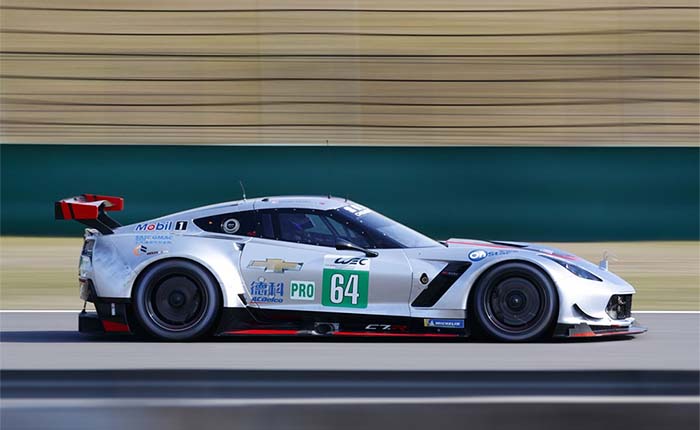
[{"x": 344, "y": 245}]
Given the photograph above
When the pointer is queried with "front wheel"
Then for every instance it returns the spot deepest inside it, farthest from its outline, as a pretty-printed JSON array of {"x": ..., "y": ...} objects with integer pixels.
[
  {"x": 515, "y": 302},
  {"x": 176, "y": 300}
]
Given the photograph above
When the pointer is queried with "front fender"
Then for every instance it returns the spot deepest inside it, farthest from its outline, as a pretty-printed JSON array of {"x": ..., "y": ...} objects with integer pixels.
[{"x": 457, "y": 296}]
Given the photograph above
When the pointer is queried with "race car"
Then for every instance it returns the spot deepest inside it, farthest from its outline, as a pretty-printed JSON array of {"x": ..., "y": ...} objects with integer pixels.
[{"x": 326, "y": 266}]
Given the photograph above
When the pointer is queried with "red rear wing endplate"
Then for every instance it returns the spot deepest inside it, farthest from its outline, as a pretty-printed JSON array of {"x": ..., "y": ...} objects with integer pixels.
[
  {"x": 89, "y": 209},
  {"x": 115, "y": 203}
]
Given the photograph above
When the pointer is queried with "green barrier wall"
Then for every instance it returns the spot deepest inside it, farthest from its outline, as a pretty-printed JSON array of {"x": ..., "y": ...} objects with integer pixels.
[{"x": 540, "y": 194}]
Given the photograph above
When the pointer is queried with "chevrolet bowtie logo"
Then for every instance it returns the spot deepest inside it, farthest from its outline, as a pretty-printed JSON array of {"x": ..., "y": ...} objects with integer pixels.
[{"x": 276, "y": 265}]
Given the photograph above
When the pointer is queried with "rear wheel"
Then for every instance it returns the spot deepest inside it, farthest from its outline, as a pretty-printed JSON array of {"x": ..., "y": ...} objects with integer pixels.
[
  {"x": 177, "y": 300},
  {"x": 515, "y": 302}
]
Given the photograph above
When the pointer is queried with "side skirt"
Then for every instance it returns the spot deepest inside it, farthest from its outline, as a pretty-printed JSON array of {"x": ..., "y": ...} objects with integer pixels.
[{"x": 254, "y": 321}]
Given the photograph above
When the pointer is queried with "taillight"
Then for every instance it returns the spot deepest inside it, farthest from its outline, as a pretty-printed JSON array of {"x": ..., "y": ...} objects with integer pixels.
[{"x": 85, "y": 265}]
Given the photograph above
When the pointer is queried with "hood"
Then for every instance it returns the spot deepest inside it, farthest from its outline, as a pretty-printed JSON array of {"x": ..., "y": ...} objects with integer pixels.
[
  {"x": 504, "y": 246},
  {"x": 480, "y": 249}
]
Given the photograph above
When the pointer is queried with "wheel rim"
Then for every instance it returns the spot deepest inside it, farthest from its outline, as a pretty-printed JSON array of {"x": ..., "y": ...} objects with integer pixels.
[
  {"x": 176, "y": 302},
  {"x": 515, "y": 305}
]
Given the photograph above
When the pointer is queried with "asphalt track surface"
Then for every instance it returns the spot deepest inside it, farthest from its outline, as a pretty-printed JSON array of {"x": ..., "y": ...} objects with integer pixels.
[
  {"x": 51, "y": 341},
  {"x": 52, "y": 377}
]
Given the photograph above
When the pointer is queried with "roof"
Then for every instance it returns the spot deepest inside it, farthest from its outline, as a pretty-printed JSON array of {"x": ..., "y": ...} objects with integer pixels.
[{"x": 305, "y": 202}]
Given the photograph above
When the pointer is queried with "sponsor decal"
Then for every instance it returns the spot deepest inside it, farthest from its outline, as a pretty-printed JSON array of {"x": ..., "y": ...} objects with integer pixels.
[
  {"x": 386, "y": 327},
  {"x": 154, "y": 226},
  {"x": 181, "y": 225},
  {"x": 302, "y": 290},
  {"x": 276, "y": 265},
  {"x": 439, "y": 323},
  {"x": 154, "y": 239},
  {"x": 480, "y": 254},
  {"x": 477, "y": 255},
  {"x": 346, "y": 263},
  {"x": 345, "y": 281},
  {"x": 263, "y": 291},
  {"x": 351, "y": 261},
  {"x": 140, "y": 250},
  {"x": 357, "y": 210},
  {"x": 231, "y": 225},
  {"x": 379, "y": 327}
]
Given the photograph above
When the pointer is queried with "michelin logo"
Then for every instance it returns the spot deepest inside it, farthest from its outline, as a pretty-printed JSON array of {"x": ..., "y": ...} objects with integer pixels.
[{"x": 443, "y": 323}]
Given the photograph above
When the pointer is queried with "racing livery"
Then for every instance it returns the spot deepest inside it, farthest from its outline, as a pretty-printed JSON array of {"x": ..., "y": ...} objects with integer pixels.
[{"x": 329, "y": 267}]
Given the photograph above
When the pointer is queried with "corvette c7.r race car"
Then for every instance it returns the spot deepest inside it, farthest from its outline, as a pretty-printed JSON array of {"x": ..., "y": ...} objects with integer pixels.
[{"x": 328, "y": 267}]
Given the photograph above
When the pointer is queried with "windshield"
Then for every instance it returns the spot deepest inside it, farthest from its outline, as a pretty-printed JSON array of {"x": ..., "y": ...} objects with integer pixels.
[{"x": 383, "y": 232}]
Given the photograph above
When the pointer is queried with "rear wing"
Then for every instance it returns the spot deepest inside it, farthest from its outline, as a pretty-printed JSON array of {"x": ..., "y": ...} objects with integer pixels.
[{"x": 90, "y": 210}]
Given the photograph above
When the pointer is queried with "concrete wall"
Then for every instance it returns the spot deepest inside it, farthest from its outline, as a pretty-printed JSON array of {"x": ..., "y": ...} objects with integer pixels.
[{"x": 543, "y": 194}]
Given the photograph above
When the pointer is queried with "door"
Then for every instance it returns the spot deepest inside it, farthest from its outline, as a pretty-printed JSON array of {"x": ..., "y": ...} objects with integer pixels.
[{"x": 298, "y": 268}]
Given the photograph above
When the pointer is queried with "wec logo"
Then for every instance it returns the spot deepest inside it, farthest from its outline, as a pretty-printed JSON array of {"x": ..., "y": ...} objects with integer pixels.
[
  {"x": 155, "y": 226},
  {"x": 352, "y": 260}
]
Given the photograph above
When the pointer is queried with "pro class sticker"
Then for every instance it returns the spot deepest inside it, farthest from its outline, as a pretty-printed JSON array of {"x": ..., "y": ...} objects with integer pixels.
[
  {"x": 302, "y": 290},
  {"x": 345, "y": 281}
]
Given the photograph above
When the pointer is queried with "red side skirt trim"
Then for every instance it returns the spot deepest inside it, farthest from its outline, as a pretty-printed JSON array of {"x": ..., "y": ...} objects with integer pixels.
[
  {"x": 273, "y": 332},
  {"x": 263, "y": 331},
  {"x": 380, "y": 334},
  {"x": 115, "y": 327}
]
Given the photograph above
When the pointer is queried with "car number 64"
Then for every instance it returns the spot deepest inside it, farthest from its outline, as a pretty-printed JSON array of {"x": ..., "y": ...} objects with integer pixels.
[{"x": 341, "y": 289}]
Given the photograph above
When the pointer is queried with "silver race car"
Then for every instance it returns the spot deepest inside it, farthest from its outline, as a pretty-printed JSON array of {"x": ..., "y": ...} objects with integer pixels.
[{"x": 326, "y": 266}]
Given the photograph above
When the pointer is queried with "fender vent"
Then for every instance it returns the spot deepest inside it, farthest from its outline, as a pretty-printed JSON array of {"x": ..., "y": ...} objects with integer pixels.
[{"x": 440, "y": 284}]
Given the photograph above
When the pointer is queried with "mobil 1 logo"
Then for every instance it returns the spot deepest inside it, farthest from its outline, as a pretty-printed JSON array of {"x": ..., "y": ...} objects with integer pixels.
[
  {"x": 302, "y": 290},
  {"x": 345, "y": 281}
]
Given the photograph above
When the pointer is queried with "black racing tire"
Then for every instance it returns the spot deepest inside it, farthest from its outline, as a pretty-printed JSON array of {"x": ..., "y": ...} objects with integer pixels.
[
  {"x": 515, "y": 302},
  {"x": 176, "y": 300}
]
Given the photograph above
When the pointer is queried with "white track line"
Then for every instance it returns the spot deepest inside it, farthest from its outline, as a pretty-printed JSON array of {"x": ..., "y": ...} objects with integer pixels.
[
  {"x": 666, "y": 312},
  {"x": 59, "y": 311},
  {"x": 38, "y": 311},
  {"x": 228, "y": 402}
]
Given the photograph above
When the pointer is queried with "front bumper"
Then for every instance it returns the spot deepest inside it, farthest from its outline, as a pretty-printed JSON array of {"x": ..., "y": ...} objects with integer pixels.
[{"x": 585, "y": 330}]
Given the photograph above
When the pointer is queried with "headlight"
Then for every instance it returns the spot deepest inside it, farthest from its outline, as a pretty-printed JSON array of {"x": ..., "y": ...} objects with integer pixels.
[{"x": 581, "y": 273}]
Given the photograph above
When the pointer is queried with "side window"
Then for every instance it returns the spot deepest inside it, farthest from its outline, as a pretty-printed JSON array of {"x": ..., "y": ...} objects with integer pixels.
[
  {"x": 304, "y": 227},
  {"x": 344, "y": 231},
  {"x": 266, "y": 228},
  {"x": 237, "y": 223}
]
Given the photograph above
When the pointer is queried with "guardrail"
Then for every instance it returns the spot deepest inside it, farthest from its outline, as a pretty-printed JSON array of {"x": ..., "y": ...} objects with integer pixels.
[{"x": 349, "y": 399}]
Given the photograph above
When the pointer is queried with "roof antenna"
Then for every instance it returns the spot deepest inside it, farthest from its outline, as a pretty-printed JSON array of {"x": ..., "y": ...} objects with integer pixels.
[
  {"x": 242, "y": 189},
  {"x": 329, "y": 194}
]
